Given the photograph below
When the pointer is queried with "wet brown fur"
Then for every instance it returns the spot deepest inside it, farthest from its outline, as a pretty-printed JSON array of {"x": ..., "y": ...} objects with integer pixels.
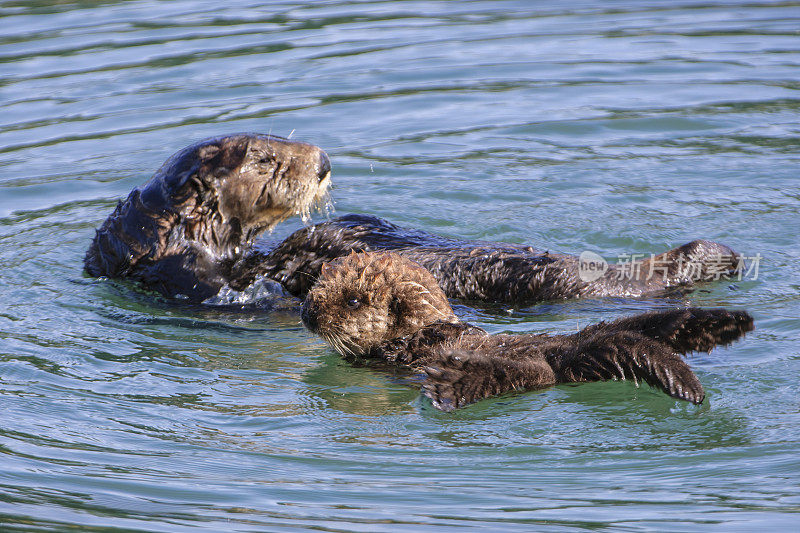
[
  {"x": 491, "y": 271},
  {"x": 189, "y": 229},
  {"x": 384, "y": 307}
]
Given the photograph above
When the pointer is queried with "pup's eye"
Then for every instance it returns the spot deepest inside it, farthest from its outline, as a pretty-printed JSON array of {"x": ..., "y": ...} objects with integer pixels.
[{"x": 353, "y": 303}]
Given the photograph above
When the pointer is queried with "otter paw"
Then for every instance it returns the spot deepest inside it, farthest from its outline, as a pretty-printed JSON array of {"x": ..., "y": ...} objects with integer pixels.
[{"x": 460, "y": 378}]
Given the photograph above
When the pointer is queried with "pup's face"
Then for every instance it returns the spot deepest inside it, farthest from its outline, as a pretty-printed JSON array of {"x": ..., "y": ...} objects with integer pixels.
[{"x": 365, "y": 299}]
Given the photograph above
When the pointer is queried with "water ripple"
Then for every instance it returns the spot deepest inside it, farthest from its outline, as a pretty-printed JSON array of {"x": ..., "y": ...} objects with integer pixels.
[{"x": 625, "y": 128}]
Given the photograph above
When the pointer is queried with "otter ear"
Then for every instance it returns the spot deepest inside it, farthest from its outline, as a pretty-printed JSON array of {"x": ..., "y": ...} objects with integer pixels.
[
  {"x": 324, "y": 270},
  {"x": 384, "y": 260},
  {"x": 208, "y": 152}
]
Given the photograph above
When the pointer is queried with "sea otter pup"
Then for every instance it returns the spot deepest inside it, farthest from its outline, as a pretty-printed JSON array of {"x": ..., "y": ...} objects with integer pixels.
[
  {"x": 188, "y": 230},
  {"x": 384, "y": 307},
  {"x": 492, "y": 271}
]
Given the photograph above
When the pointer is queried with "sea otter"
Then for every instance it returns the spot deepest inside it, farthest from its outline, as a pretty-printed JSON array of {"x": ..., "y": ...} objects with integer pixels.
[
  {"x": 384, "y": 307},
  {"x": 188, "y": 231},
  {"x": 492, "y": 271}
]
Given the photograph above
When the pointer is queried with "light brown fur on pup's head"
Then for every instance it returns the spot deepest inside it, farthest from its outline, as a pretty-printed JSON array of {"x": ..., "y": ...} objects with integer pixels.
[{"x": 364, "y": 299}]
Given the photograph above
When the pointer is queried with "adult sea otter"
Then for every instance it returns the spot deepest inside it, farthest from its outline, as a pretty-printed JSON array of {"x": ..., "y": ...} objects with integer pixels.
[{"x": 189, "y": 231}]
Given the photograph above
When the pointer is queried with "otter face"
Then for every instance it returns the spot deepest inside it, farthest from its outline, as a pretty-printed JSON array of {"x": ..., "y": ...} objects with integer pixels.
[
  {"x": 365, "y": 299},
  {"x": 275, "y": 179},
  {"x": 225, "y": 191}
]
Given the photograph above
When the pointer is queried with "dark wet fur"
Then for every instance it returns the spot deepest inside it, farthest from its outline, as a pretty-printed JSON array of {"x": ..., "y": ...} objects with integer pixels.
[
  {"x": 644, "y": 348},
  {"x": 491, "y": 271},
  {"x": 385, "y": 308},
  {"x": 189, "y": 229}
]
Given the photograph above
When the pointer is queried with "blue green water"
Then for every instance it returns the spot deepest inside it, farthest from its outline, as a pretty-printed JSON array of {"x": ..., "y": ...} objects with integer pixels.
[{"x": 617, "y": 127}]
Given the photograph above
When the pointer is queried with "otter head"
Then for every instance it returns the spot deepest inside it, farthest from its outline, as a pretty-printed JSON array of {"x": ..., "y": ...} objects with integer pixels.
[
  {"x": 227, "y": 190},
  {"x": 365, "y": 299},
  {"x": 209, "y": 201}
]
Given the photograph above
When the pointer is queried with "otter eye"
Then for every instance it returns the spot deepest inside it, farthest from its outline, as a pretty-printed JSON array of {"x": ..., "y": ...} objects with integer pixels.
[{"x": 353, "y": 303}]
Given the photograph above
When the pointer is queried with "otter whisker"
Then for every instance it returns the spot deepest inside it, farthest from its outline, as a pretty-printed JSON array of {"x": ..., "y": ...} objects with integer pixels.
[
  {"x": 423, "y": 290},
  {"x": 435, "y": 309},
  {"x": 337, "y": 339},
  {"x": 303, "y": 272}
]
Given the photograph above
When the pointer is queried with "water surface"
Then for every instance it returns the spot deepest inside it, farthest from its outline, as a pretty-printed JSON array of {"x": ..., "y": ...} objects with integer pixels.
[{"x": 624, "y": 127}]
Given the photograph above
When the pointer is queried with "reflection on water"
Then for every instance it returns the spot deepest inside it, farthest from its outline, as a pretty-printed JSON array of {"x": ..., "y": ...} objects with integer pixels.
[{"x": 618, "y": 129}]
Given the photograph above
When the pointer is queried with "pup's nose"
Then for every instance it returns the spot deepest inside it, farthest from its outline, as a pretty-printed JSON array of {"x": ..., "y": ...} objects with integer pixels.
[{"x": 309, "y": 315}]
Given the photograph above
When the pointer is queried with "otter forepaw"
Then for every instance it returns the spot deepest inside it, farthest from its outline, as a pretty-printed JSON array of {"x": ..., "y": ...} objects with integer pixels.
[
  {"x": 448, "y": 385},
  {"x": 461, "y": 378}
]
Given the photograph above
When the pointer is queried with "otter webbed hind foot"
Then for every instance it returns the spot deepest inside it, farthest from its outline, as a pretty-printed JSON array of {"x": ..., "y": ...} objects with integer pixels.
[
  {"x": 684, "y": 330},
  {"x": 461, "y": 378},
  {"x": 627, "y": 355}
]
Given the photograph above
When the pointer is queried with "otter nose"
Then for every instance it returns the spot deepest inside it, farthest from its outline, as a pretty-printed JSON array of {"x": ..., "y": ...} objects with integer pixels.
[
  {"x": 309, "y": 315},
  {"x": 324, "y": 166}
]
